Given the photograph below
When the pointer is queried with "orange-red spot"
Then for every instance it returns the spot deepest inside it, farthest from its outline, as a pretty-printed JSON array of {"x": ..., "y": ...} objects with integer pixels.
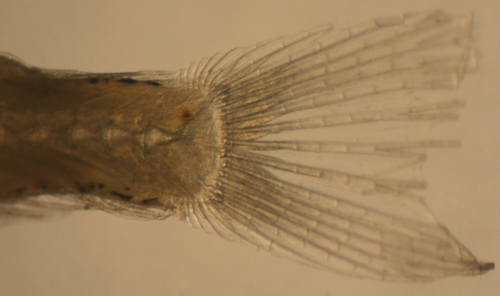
[{"x": 186, "y": 116}]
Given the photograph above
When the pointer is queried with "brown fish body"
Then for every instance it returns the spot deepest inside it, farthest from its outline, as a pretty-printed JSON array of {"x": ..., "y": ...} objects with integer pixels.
[{"x": 116, "y": 138}]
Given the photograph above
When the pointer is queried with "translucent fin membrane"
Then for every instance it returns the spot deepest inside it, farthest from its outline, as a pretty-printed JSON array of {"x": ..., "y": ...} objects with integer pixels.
[
  {"x": 285, "y": 102},
  {"x": 309, "y": 147}
]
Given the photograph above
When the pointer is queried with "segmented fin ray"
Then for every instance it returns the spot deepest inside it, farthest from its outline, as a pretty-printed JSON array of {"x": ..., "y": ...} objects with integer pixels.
[{"x": 276, "y": 87}]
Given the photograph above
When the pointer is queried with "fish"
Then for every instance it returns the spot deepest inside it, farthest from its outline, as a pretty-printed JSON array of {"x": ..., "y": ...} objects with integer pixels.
[{"x": 309, "y": 147}]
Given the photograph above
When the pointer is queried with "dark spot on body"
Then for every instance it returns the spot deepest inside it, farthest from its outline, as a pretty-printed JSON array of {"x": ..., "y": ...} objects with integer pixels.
[
  {"x": 133, "y": 81},
  {"x": 186, "y": 116},
  {"x": 92, "y": 187},
  {"x": 19, "y": 190},
  {"x": 80, "y": 188},
  {"x": 122, "y": 196},
  {"x": 127, "y": 188},
  {"x": 44, "y": 186},
  {"x": 100, "y": 185},
  {"x": 128, "y": 80},
  {"x": 152, "y": 202},
  {"x": 93, "y": 80},
  {"x": 149, "y": 200}
]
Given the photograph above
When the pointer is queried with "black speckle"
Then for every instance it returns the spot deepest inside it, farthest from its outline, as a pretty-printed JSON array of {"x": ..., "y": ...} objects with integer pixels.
[
  {"x": 128, "y": 80},
  {"x": 100, "y": 185},
  {"x": 149, "y": 200},
  {"x": 19, "y": 190},
  {"x": 122, "y": 196},
  {"x": 92, "y": 187},
  {"x": 93, "y": 80},
  {"x": 127, "y": 188},
  {"x": 44, "y": 186},
  {"x": 80, "y": 188},
  {"x": 153, "y": 83}
]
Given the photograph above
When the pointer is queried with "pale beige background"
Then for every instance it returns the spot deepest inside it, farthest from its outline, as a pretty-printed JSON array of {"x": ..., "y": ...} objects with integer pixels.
[{"x": 99, "y": 254}]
